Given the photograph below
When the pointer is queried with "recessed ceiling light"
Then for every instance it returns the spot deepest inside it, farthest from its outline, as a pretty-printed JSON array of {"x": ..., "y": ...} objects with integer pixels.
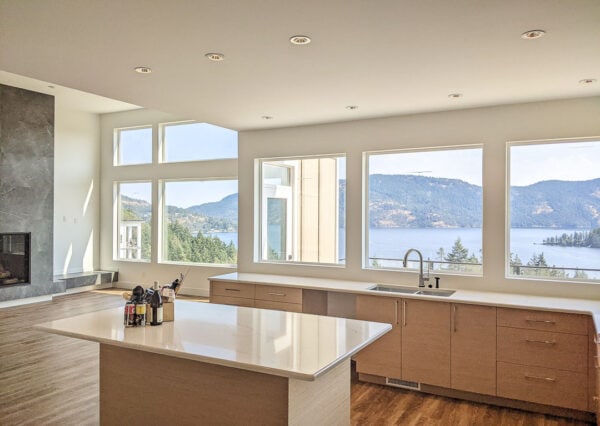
[
  {"x": 455, "y": 95},
  {"x": 533, "y": 34},
  {"x": 267, "y": 117},
  {"x": 143, "y": 70},
  {"x": 587, "y": 81},
  {"x": 300, "y": 39},
  {"x": 216, "y": 57},
  {"x": 352, "y": 107}
]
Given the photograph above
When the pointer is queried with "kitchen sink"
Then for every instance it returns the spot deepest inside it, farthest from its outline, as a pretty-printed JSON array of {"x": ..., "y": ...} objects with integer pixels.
[
  {"x": 412, "y": 290},
  {"x": 390, "y": 289},
  {"x": 442, "y": 293}
]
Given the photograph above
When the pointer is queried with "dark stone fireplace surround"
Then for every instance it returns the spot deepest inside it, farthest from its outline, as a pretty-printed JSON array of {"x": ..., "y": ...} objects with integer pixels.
[{"x": 27, "y": 183}]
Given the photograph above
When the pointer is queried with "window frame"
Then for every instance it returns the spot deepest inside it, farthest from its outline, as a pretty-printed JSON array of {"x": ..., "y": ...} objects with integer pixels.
[
  {"x": 117, "y": 212},
  {"x": 117, "y": 145},
  {"x": 507, "y": 215},
  {"x": 259, "y": 228},
  {"x": 366, "y": 216}
]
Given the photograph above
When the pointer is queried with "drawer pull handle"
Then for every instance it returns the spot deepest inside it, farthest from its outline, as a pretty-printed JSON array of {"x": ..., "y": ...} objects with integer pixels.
[
  {"x": 539, "y": 320},
  {"x": 545, "y": 379},
  {"x": 545, "y": 342},
  {"x": 277, "y": 294},
  {"x": 232, "y": 289}
]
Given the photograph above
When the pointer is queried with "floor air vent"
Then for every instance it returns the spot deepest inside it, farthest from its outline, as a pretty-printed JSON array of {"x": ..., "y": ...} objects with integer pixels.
[{"x": 402, "y": 384}]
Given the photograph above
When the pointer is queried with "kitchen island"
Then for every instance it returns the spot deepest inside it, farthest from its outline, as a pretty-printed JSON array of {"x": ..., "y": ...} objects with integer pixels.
[{"x": 218, "y": 364}]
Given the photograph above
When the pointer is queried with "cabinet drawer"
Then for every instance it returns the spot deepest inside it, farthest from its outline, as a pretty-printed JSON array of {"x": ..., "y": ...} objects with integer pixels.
[
  {"x": 542, "y": 385},
  {"x": 220, "y": 288},
  {"x": 542, "y": 320},
  {"x": 237, "y": 301},
  {"x": 543, "y": 349},
  {"x": 279, "y": 294},
  {"x": 279, "y": 306}
]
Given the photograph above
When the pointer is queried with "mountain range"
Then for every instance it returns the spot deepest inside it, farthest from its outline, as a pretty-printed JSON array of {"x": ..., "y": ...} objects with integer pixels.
[{"x": 426, "y": 202}]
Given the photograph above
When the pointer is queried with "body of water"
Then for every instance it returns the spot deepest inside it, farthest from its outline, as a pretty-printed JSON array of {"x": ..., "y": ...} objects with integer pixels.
[{"x": 392, "y": 243}]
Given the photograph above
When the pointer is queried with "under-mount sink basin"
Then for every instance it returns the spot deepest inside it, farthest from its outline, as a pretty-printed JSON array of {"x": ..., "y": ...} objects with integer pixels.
[
  {"x": 436, "y": 292},
  {"x": 390, "y": 289},
  {"x": 412, "y": 290}
]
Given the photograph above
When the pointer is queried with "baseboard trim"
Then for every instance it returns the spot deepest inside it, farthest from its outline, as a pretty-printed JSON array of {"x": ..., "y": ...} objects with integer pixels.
[{"x": 25, "y": 301}]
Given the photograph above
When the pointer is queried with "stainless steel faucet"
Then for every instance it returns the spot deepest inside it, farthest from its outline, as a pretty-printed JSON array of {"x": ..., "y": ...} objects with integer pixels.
[{"x": 422, "y": 279}]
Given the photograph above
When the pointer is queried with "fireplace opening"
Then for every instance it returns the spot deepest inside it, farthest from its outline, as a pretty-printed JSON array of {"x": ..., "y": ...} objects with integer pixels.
[{"x": 14, "y": 258}]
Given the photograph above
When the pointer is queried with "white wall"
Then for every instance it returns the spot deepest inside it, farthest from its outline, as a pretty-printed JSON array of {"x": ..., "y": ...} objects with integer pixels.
[
  {"x": 76, "y": 191},
  {"x": 145, "y": 273},
  {"x": 492, "y": 127}
]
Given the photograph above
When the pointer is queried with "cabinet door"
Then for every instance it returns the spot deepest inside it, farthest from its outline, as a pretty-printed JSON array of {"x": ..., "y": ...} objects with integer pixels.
[
  {"x": 382, "y": 357},
  {"x": 473, "y": 348},
  {"x": 426, "y": 342}
]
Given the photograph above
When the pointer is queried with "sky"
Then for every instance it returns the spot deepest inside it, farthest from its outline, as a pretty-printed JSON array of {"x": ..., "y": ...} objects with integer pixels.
[
  {"x": 560, "y": 161},
  {"x": 529, "y": 163},
  {"x": 183, "y": 193},
  {"x": 463, "y": 164},
  {"x": 207, "y": 142},
  {"x": 183, "y": 142}
]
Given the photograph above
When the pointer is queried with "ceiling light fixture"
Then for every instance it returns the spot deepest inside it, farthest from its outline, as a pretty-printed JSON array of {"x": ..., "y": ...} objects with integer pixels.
[
  {"x": 267, "y": 117},
  {"x": 352, "y": 107},
  {"x": 533, "y": 34},
  {"x": 215, "y": 57},
  {"x": 587, "y": 81},
  {"x": 143, "y": 70},
  {"x": 300, "y": 39},
  {"x": 455, "y": 95}
]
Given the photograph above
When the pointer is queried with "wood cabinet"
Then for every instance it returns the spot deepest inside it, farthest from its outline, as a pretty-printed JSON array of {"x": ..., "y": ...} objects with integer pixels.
[
  {"x": 426, "y": 342},
  {"x": 543, "y": 357},
  {"x": 473, "y": 348},
  {"x": 256, "y": 295},
  {"x": 382, "y": 357}
]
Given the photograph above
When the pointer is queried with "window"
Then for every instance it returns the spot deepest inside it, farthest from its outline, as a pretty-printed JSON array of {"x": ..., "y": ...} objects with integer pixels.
[
  {"x": 554, "y": 224},
  {"x": 200, "y": 221},
  {"x": 134, "y": 224},
  {"x": 196, "y": 142},
  {"x": 133, "y": 146},
  {"x": 430, "y": 200},
  {"x": 302, "y": 210}
]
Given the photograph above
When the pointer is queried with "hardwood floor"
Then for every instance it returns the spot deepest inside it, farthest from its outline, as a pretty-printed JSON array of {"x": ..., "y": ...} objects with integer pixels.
[{"x": 47, "y": 379}]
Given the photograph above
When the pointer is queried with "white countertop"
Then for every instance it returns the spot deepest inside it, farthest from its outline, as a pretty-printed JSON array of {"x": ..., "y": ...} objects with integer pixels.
[
  {"x": 288, "y": 344},
  {"x": 510, "y": 300}
]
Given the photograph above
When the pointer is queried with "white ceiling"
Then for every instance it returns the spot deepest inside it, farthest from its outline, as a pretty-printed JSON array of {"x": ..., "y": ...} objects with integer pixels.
[
  {"x": 66, "y": 97},
  {"x": 389, "y": 57}
]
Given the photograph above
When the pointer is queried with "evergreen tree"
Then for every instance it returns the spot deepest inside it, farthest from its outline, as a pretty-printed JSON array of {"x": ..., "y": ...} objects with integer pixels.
[{"x": 458, "y": 254}]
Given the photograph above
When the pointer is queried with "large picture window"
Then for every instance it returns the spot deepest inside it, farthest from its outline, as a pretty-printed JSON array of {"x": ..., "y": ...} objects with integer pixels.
[
  {"x": 191, "y": 141},
  {"x": 302, "y": 210},
  {"x": 200, "y": 221},
  {"x": 133, "y": 146},
  {"x": 554, "y": 225},
  {"x": 134, "y": 221},
  {"x": 429, "y": 200}
]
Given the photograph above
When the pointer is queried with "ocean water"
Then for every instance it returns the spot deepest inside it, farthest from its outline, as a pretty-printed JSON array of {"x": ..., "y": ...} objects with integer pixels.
[{"x": 393, "y": 243}]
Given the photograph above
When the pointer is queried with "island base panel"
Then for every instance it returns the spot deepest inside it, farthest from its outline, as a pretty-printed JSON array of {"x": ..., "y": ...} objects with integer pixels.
[{"x": 138, "y": 387}]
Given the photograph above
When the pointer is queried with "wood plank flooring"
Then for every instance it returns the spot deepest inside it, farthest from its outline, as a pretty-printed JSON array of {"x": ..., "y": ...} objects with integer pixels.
[{"x": 47, "y": 379}]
